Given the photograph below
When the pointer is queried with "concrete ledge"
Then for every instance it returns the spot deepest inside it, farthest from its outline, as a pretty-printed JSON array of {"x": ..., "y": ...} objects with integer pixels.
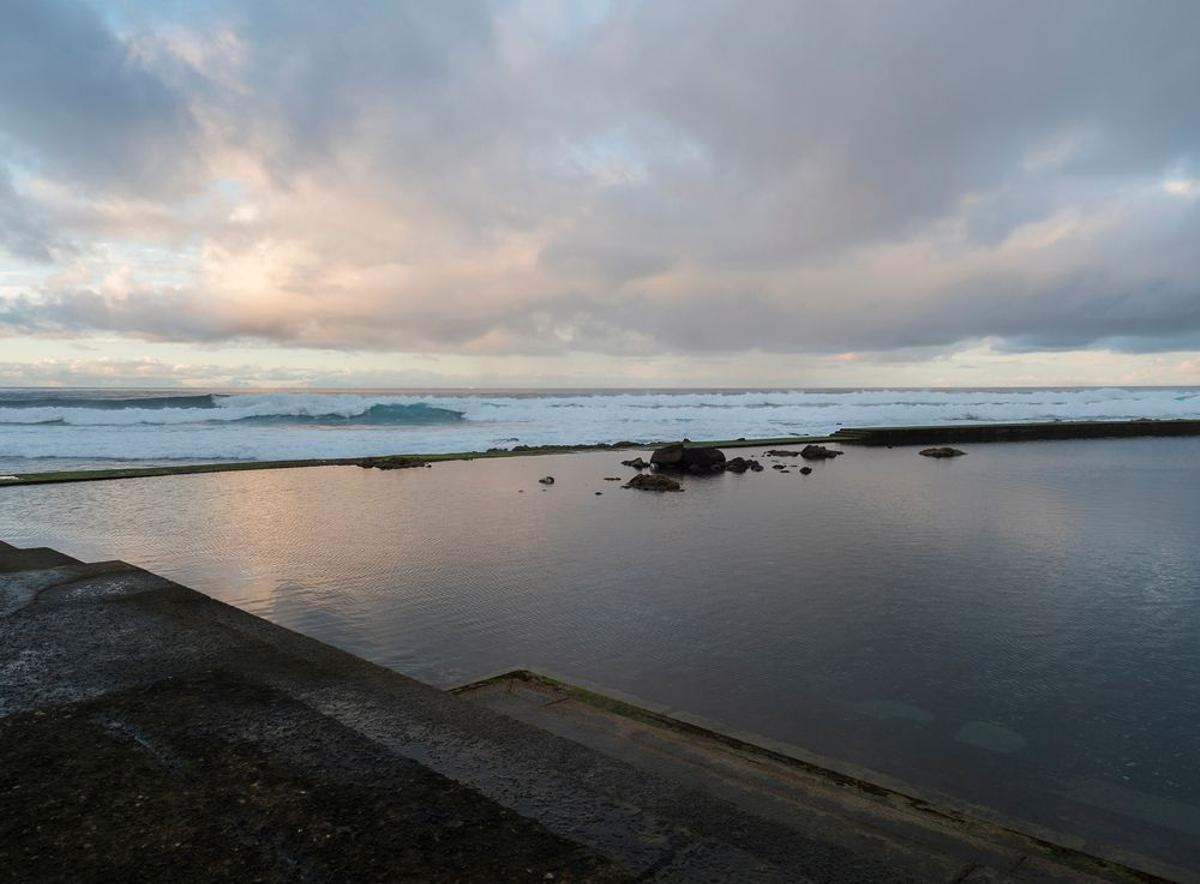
[{"x": 808, "y": 791}]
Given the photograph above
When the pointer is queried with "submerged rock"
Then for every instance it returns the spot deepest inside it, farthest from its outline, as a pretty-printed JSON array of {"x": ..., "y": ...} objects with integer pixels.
[
  {"x": 680, "y": 458},
  {"x": 943, "y": 451},
  {"x": 819, "y": 452},
  {"x": 653, "y": 482}
]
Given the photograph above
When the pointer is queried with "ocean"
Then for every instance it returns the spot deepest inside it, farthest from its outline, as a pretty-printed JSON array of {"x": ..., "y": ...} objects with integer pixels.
[{"x": 48, "y": 429}]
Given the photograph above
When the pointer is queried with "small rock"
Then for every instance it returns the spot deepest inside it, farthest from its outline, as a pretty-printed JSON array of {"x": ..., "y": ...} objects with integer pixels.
[
  {"x": 781, "y": 452},
  {"x": 598, "y": 493},
  {"x": 806, "y": 471},
  {"x": 653, "y": 482},
  {"x": 612, "y": 478},
  {"x": 637, "y": 463},
  {"x": 777, "y": 466},
  {"x": 944, "y": 451},
  {"x": 546, "y": 480}
]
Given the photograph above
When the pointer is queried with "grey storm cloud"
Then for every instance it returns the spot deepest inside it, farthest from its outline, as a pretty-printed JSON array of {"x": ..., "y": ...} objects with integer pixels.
[{"x": 629, "y": 177}]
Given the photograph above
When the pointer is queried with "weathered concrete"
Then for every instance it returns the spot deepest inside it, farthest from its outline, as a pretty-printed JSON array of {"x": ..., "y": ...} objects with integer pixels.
[{"x": 149, "y": 732}]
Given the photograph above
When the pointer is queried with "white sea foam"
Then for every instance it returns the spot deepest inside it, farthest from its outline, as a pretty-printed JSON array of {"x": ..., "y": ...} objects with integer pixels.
[{"x": 306, "y": 424}]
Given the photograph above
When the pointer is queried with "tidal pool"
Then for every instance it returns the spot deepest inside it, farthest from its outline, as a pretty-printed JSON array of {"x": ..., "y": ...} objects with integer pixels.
[{"x": 1018, "y": 628}]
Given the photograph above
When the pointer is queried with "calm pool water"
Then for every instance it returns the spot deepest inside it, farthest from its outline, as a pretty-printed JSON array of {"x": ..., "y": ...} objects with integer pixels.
[{"x": 1018, "y": 628}]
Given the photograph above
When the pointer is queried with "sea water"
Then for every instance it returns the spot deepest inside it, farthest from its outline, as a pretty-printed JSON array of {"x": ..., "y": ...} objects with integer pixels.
[{"x": 43, "y": 430}]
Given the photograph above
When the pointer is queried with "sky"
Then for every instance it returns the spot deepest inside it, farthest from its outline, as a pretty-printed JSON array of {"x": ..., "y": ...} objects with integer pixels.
[{"x": 545, "y": 193}]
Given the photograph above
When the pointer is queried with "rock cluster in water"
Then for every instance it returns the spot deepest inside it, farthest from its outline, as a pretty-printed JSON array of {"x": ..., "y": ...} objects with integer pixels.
[
  {"x": 683, "y": 459},
  {"x": 819, "y": 452},
  {"x": 741, "y": 464}
]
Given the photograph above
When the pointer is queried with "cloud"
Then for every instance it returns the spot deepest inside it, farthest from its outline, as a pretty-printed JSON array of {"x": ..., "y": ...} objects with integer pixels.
[
  {"x": 78, "y": 101},
  {"x": 676, "y": 177},
  {"x": 143, "y": 372},
  {"x": 23, "y": 233}
]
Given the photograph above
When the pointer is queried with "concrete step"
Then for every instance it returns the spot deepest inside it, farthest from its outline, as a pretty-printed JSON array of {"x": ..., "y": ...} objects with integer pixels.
[
  {"x": 868, "y": 821},
  {"x": 13, "y": 559}
]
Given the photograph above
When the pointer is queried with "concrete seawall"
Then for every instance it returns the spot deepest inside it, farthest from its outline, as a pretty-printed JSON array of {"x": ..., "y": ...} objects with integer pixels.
[
  {"x": 1018, "y": 432},
  {"x": 149, "y": 732}
]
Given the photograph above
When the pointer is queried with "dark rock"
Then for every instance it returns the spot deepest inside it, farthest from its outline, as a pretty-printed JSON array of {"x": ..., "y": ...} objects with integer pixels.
[
  {"x": 680, "y": 458},
  {"x": 637, "y": 463},
  {"x": 598, "y": 493},
  {"x": 819, "y": 452},
  {"x": 806, "y": 471},
  {"x": 778, "y": 466},
  {"x": 944, "y": 451},
  {"x": 653, "y": 482},
  {"x": 612, "y": 478},
  {"x": 781, "y": 452},
  {"x": 755, "y": 467},
  {"x": 546, "y": 480}
]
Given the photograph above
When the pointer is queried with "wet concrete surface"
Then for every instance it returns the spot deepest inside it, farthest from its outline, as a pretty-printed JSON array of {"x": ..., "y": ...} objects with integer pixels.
[{"x": 150, "y": 733}]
